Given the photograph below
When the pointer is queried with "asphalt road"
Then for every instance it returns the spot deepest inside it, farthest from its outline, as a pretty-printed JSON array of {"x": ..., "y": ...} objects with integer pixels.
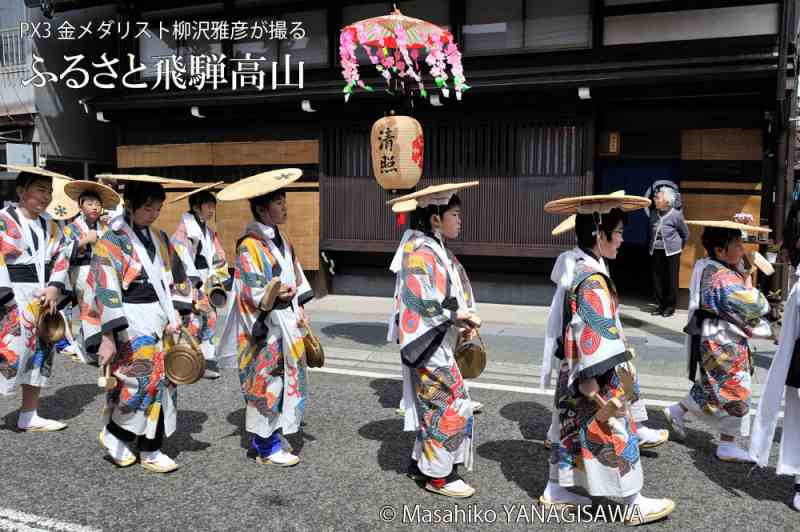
[{"x": 353, "y": 454}]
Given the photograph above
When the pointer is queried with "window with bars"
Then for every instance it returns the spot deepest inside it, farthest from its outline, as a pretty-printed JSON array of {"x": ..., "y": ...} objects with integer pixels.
[
  {"x": 500, "y": 25},
  {"x": 12, "y": 12},
  {"x": 476, "y": 149}
]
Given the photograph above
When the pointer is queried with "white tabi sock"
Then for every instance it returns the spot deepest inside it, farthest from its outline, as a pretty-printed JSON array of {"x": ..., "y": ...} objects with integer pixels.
[
  {"x": 26, "y": 419},
  {"x": 729, "y": 450},
  {"x": 116, "y": 447},
  {"x": 158, "y": 459},
  {"x": 678, "y": 413},
  {"x": 647, "y": 435},
  {"x": 150, "y": 455},
  {"x": 555, "y": 493},
  {"x": 208, "y": 350},
  {"x": 30, "y": 420},
  {"x": 645, "y": 505},
  {"x": 796, "y": 502}
]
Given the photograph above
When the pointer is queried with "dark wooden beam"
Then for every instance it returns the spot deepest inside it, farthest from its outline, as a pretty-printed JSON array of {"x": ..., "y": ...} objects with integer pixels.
[
  {"x": 676, "y": 5},
  {"x": 597, "y": 14},
  {"x": 502, "y": 80},
  {"x": 460, "y": 248}
]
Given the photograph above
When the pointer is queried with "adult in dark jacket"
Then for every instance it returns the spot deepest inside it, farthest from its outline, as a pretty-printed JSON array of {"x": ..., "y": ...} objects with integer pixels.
[
  {"x": 790, "y": 252},
  {"x": 668, "y": 236}
]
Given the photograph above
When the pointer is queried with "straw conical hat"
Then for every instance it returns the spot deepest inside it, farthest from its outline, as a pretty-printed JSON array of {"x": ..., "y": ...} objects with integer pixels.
[
  {"x": 144, "y": 178},
  {"x": 404, "y": 206},
  {"x": 259, "y": 184},
  {"x": 569, "y": 223},
  {"x": 729, "y": 224},
  {"x": 195, "y": 191},
  {"x": 411, "y": 201},
  {"x": 36, "y": 170},
  {"x": 108, "y": 197},
  {"x": 600, "y": 203},
  {"x": 61, "y": 207}
]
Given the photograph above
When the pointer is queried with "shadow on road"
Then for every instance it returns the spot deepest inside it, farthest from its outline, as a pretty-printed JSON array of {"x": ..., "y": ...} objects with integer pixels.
[
  {"x": 533, "y": 418},
  {"x": 395, "y": 450},
  {"x": 10, "y": 421},
  {"x": 236, "y": 418},
  {"x": 760, "y": 484},
  {"x": 369, "y": 333},
  {"x": 526, "y": 462},
  {"x": 389, "y": 391},
  {"x": 650, "y": 327},
  {"x": 521, "y": 462},
  {"x": 67, "y": 403},
  {"x": 189, "y": 422}
]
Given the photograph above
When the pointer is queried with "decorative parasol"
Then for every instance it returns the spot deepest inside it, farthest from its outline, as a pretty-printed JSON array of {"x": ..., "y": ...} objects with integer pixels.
[{"x": 396, "y": 44}]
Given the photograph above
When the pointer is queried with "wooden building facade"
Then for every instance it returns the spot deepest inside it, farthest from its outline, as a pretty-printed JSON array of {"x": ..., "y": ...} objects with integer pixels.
[{"x": 572, "y": 97}]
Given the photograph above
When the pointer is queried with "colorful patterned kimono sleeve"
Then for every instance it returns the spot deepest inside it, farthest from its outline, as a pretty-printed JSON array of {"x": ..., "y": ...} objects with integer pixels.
[
  {"x": 185, "y": 249},
  {"x": 255, "y": 270},
  {"x": 72, "y": 232},
  {"x": 6, "y": 290},
  {"x": 724, "y": 294},
  {"x": 426, "y": 309},
  {"x": 180, "y": 288},
  {"x": 104, "y": 289},
  {"x": 60, "y": 258},
  {"x": 595, "y": 335}
]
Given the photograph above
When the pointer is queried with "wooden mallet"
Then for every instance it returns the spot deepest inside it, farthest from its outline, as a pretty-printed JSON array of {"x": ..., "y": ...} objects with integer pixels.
[
  {"x": 608, "y": 409},
  {"x": 106, "y": 380}
]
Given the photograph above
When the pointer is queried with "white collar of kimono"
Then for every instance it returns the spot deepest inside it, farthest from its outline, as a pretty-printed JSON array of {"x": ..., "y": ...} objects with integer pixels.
[
  {"x": 154, "y": 269},
  {"x": 206, "y": 238},
  {"x": 116, "y": 212},
  {"x": 562, "y": 275},
  {"x": 440, "y": 198},
  {"x": 29, "y": 226},
  {"x": 266, "y": 232},
  {"x": 84, "y": 225},
  {"x": 694, "y": 284},
  {"x": 596, "y": 264}
]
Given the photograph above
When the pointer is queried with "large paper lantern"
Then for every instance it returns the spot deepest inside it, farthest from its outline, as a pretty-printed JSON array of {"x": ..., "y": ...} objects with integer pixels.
[{"x": 397, "y": 152}]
